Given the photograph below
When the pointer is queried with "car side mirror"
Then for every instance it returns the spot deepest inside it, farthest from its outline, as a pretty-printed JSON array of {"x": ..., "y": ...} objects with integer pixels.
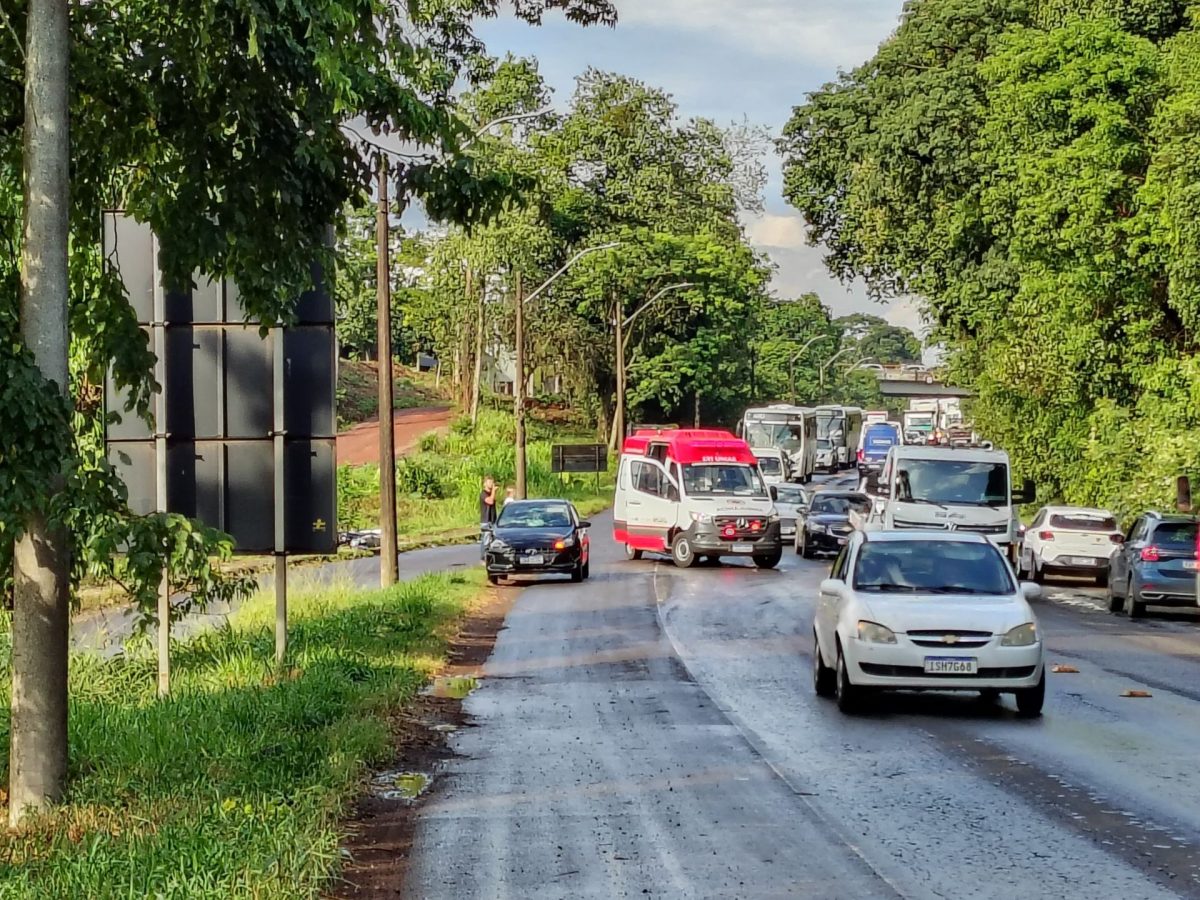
[
  {"x": 583, "y": 525},
  {"x": 486, "y": 527},
  {"x": 774, "y": 492},
  {"x": 802, "y": 509},
  {"x": 1031, "y": 591},
  {"x": 832, "y": 586},
  {"x": 1027, "y": 493}
]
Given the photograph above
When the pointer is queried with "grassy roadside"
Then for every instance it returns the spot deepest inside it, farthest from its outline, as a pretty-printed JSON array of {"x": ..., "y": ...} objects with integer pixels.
[
  {"x": 237, "y": 784},
  {"x": 438, "y": 487},
  {"x": 358, "y": 390}
]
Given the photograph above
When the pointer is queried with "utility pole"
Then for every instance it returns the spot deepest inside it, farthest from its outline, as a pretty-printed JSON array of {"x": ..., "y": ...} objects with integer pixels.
[
  {"x": 476, "y": 385},
  {"x": 41, "y": 558},
  {"x": 618, "y": 432},
  {"x": 388, "y": 557},
  {"x": 519, "y": 390}
]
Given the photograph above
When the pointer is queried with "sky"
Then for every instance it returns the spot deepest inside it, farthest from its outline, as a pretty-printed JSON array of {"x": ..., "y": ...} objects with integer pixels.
[{"x": 730, "y": 61}]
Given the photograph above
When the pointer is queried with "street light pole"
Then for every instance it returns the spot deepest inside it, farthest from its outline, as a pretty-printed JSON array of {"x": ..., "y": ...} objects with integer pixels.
[
  {"x": 792, "y": 363},
  {"x": 622, "y": 327},
  {"x": 519, "y": 380},
  {"x": 830, "y": 362},
  {"x": 389, "y": 563}
]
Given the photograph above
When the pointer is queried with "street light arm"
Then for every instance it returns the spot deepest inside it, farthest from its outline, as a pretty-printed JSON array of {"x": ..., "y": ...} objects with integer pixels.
[
  {"x": 504, "y": 120},
  {"x": 829, "y": 362},
  {"x": 645, "y": 306},
  {"x": 811, "y": 341},
  {"x": 570, "y": 262}
]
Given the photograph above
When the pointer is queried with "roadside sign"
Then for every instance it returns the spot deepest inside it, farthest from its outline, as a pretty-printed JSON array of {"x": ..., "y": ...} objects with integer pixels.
[
  {"x": 243, "y": 433},
  {"x": 578, "y": 458}
]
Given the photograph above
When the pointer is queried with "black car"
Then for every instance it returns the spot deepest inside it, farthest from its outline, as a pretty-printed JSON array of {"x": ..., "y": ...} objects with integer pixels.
[
  {"x": 537, "y": 537},
  {"x": 824, "y": 526}
]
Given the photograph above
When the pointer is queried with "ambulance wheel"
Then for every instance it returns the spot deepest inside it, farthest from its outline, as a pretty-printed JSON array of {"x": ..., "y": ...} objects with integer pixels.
[
  {"x": 682, "y": 552},
  {"x": 632, "y": 554}
]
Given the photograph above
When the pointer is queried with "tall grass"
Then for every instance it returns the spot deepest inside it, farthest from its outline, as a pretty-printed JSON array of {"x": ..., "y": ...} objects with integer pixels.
[
  {"x": 236, "y": 785},
  {"x": 438, "y": 487}
]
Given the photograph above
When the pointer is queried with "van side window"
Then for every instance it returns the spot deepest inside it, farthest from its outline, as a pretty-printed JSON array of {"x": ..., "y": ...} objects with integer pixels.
[
  {"x": 658, "y": 452},
  {"x": 647, "y": 478}
]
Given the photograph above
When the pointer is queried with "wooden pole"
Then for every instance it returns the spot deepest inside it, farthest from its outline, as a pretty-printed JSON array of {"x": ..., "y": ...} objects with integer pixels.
[
  {"x": 388, "y": 561},
  {"x": 519, "y": 389},
  {"x": 281, "y": 607},
  {"x": 476, "y": 385},
  {"x": 164, "y": 634},
  {"x": 619, "y": 415}
]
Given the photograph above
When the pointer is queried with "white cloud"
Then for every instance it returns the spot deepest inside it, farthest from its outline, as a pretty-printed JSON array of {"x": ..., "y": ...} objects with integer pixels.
[
  {"x": 770, "y": 231},
  {"x": 829, "y": 34}
]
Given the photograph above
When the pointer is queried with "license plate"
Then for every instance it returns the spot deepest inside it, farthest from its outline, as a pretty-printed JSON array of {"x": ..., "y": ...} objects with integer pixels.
[
  {"x": 535, "y": 559},
  {"x": 1082, "y": 561},
  {"x": 743, "y": 548},
  {"x": 950, "y": 665},
  {"x": 1191, "y": 565}
]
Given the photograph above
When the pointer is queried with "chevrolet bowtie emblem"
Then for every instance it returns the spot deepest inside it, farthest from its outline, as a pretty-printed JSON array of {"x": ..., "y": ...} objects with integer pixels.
[{"x": 950, "y": 639}]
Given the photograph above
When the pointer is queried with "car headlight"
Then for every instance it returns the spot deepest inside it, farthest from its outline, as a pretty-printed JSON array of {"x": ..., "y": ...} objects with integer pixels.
[
  {"x": 702, "y": 518},
  {"x": 1021, "y": 636},
  {"x": 818, "y": 529},
  {"x": 874, "y": 633},
  {"x": 564, "y": 543},
  {"x": 772, "y": 518},
  {"x": 498, "y": 545}
]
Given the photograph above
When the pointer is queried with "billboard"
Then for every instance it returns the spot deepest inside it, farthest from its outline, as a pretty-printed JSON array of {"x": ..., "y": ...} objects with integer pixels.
[{"x": 243, "y": 433}]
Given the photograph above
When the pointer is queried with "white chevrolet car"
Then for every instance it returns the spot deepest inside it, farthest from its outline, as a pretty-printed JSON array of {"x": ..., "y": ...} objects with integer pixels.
[{"x": 926, "y": 611}]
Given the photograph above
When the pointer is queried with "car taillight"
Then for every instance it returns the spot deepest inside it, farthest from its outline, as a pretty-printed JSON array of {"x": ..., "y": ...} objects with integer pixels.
[
  {"x": 861, "y": 454},
  {"x": 1149, "y": 554},
  {"x": 1046, "y": 535}
]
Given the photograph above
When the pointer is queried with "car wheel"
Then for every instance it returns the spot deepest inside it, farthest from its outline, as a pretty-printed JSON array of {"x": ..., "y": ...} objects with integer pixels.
[
  {"x": 768, "y": 560},
  {"x": 847, "y": 695},
  {"x": 587, "y": 570},
  {"x": 1031, "y": 700},
  {"x": 577, "y": 573},
  {"x": 494, "y": 579},
  {"x": 632, "y": 554},
  {"x": 1038, "y": 573},
  {"x": 1136, "y": 608},
  {"x": 1102, "y": 580},
  {"x": 824, "y": 682},
  {"x": 1116, "y": 603},
  {"x": 682, "y": 553},
  {"x": 805, "y": 550}
]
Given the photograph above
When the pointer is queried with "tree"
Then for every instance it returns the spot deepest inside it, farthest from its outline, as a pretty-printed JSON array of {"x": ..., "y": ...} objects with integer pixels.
[
  {"x": 1031, "y": 179},
  {"x": 230, "y": 135},
  {"x": 876, "y": 339}
]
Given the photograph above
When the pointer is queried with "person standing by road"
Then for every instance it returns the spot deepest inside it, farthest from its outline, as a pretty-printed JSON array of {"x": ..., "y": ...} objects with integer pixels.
[{"x": 487, "y": 509}]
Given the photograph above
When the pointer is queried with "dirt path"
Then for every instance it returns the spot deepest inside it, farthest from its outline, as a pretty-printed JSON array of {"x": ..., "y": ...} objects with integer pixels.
[{"x": 360, "y": 445}]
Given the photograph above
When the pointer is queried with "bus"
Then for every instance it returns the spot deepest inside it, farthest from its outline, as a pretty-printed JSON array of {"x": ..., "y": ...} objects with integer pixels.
[
  {"x": 842, "y": 426},
  {"x": 792, "y": 429}
]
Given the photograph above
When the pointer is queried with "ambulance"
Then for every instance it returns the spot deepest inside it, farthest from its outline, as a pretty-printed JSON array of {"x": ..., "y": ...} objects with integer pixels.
[{"x": 696, "y": 495}]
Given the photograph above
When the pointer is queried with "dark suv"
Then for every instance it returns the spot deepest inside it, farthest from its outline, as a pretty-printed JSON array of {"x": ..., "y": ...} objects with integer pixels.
[{"x": 1156, "y": 565}]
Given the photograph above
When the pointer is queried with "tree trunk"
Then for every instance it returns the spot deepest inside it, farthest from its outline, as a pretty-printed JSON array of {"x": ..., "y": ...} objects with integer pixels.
[
  {"x": 388, "y": 559},
  {"x": 519, "y": 391},
  {"x": 41, "y": 564},
  {"x": 697, "y": 417}
]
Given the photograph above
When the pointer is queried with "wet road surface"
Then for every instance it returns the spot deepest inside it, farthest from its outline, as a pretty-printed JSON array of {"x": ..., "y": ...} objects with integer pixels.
[{"x": 654, "y": 732}]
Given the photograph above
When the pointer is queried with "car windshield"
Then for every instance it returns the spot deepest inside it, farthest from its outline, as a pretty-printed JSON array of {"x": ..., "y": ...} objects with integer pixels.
[
  {"x": 824, "y": 444},
  {"x": 932, "y": 567},
  {"x": 792, "y": 496},
  {"x": 769, "y": 465},
  {"x": 952, "y": 481},
  {"x": 1175, "y": 535},
  {"x": 828, "y": 424},
  {"x": 838, "y": 505},
  {"x": 1083, "y": 522},
  {"x": 713, "y": 480},
  {"x": 534, "y": 515}
]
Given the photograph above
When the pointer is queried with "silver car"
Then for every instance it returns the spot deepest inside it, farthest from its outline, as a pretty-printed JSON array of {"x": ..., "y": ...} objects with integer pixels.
[{"x": 791, "y": 502}]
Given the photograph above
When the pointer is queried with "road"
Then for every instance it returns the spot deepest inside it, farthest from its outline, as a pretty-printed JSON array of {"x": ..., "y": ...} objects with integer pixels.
[
  {"x": 654, "y": 732},
  {"x": 360, "y": 444}
]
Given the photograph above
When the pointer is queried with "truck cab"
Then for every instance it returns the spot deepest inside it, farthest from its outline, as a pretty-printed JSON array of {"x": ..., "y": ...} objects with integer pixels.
[
  {"x": 943, "y": 489},
  {"x": 697, "y": 495}
]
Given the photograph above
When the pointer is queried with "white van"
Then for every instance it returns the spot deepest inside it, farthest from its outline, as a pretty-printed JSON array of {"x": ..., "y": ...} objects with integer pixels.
[
  {"x": 696, "y": 495},
  {"x": 774, "y": 466},
  {"x": 941, "y": 489}
]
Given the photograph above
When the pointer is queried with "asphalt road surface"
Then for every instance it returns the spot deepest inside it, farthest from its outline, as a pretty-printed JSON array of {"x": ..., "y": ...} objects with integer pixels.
[{"x": 654, "y": 732}]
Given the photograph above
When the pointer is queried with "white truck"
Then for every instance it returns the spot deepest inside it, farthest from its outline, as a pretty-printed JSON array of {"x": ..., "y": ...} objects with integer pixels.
[{"x": 926, "y": 488}]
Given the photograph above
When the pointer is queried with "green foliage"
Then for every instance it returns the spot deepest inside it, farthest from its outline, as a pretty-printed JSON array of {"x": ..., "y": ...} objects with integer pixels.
[
  {"x": 1034, "y": 180},
  {"x": 237, "y": 784},
  {"x": 879, "y": 341},
  {"x": 224, "y": 130}
]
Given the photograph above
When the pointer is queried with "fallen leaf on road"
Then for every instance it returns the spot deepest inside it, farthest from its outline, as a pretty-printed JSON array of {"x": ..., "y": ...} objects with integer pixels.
[
  {"x": 1061, "y": 669},
  {"x": 1136, "y": 694}
]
